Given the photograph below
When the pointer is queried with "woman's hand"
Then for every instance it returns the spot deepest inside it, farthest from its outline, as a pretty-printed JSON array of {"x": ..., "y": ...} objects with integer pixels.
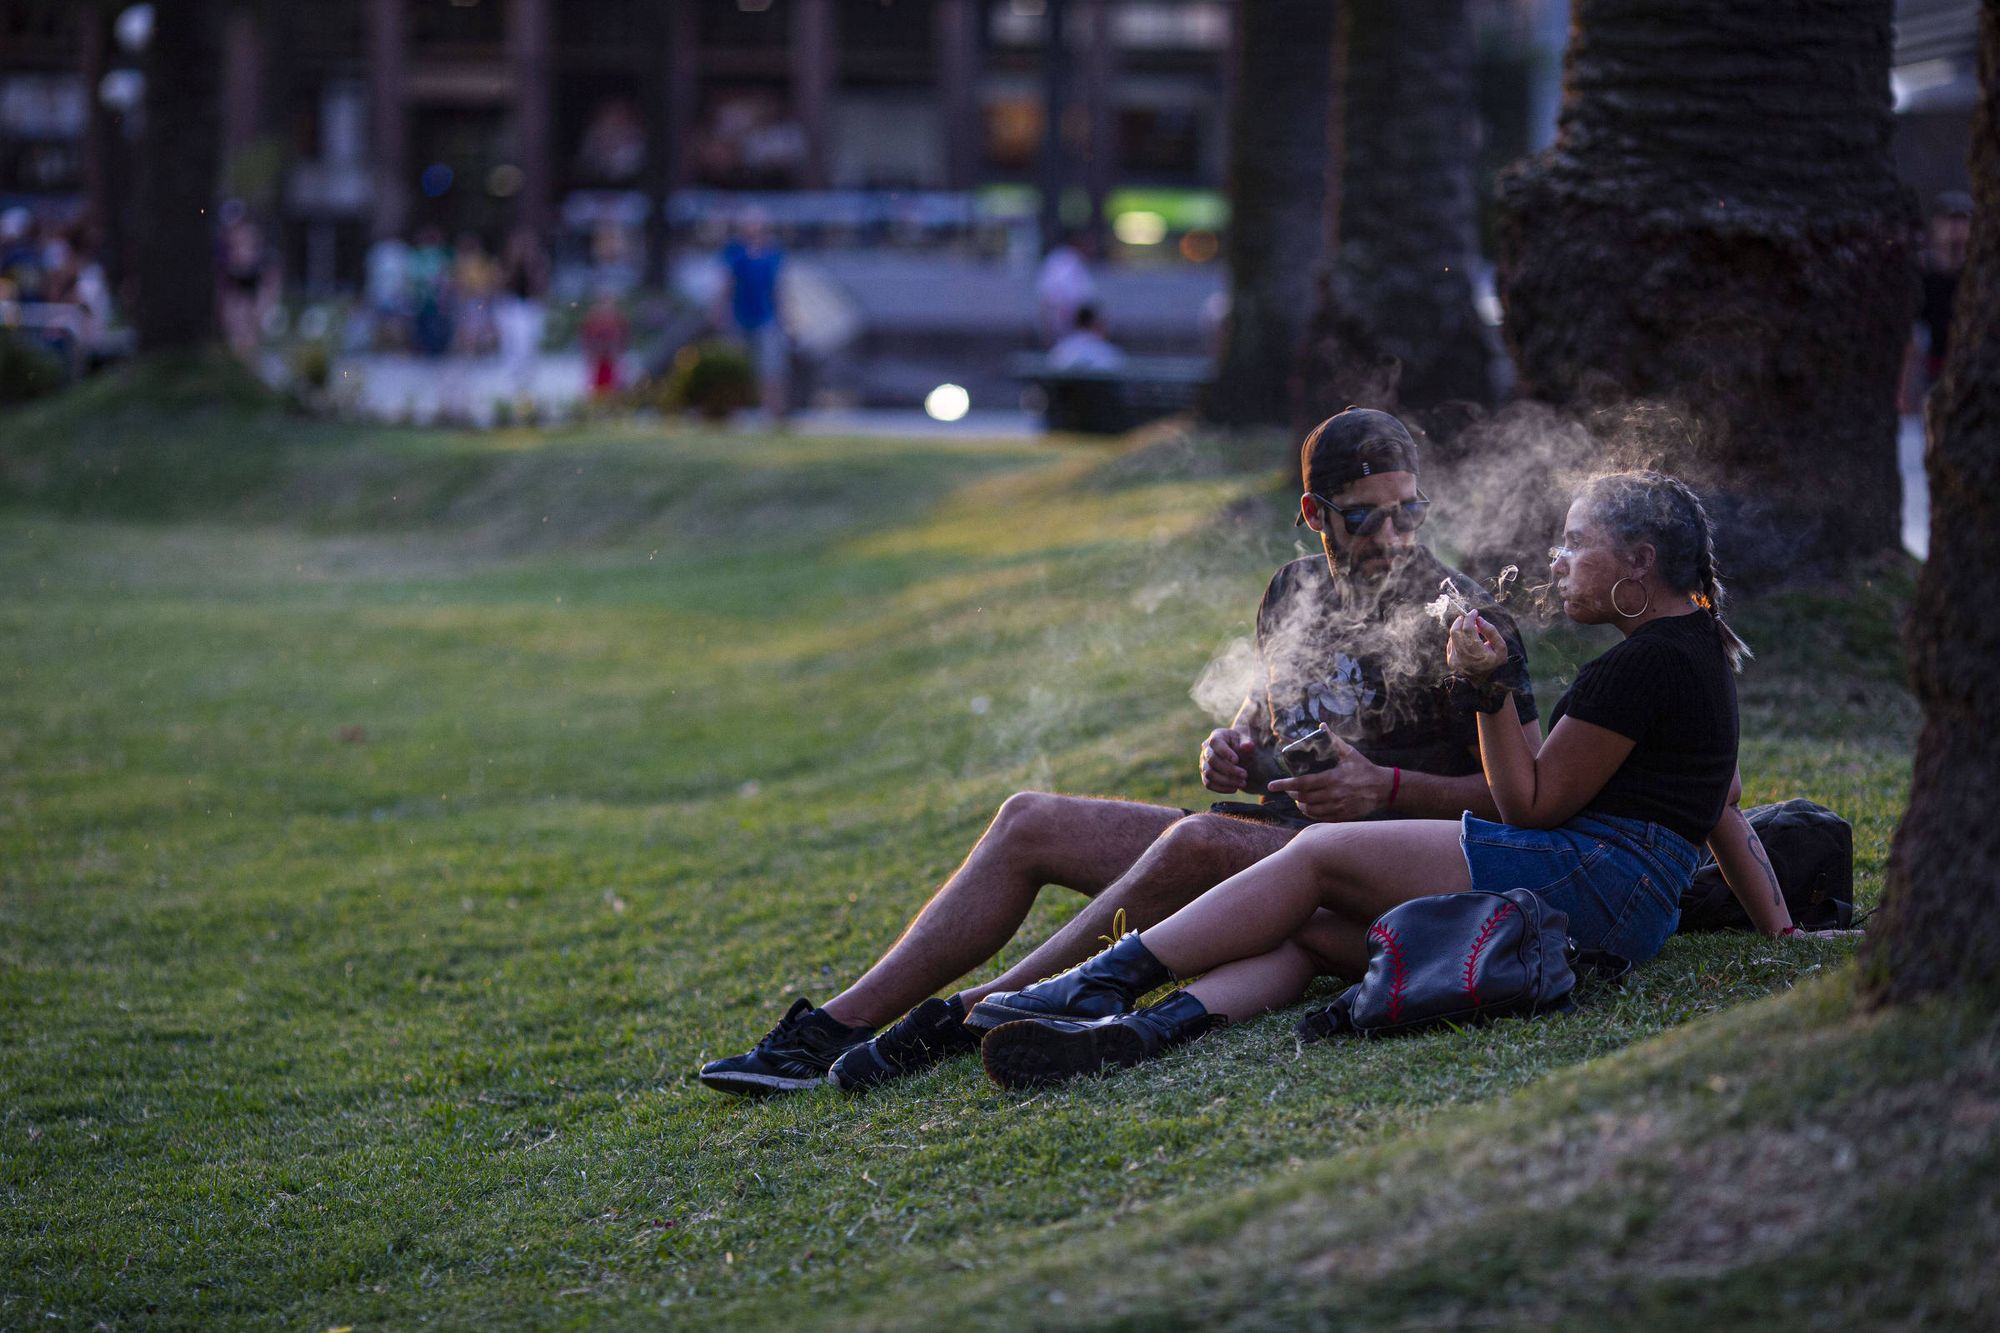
[{"x": 1474, "y": 648}]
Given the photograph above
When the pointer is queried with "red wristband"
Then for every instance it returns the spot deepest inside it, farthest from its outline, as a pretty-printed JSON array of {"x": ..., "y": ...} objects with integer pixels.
[{"x": 1395, "y": 785}]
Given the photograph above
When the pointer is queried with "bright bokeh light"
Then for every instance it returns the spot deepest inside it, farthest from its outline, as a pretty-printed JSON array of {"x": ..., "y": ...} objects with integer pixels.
[
  {"x": 1140, "y": 228},
  {"x": 947, "y": 402},
  {"x": 1198, "y": 247}
]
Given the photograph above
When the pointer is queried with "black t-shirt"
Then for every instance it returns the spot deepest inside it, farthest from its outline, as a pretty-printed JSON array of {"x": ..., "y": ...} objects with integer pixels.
[
  {"x": 1368, "y": 661},
  {"x": 1669, "y": 689}
]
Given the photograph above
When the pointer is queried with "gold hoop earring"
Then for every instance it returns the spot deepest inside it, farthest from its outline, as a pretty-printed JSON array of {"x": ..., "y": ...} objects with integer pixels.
[{"x": 1644, "y": 606}]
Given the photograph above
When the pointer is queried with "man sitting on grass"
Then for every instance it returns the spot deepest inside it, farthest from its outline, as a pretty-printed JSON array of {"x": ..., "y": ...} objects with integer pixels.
[{"x": 1350, "y": 642}]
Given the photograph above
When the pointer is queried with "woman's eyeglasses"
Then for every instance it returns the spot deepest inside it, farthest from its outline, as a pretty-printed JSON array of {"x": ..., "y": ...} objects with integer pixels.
[{"x": 1367, "y": 520}]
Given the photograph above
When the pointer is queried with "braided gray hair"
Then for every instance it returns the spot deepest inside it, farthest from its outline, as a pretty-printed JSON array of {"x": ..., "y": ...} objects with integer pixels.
[{"x": 1664, "y": 511}]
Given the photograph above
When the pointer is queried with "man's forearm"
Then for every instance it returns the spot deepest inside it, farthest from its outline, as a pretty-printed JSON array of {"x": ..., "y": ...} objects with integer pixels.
[{"x": 1429, "y": 796}]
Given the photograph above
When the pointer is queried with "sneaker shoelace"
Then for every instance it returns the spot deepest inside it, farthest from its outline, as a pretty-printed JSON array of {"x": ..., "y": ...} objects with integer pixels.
[
  {"x": 902, "y": 1041},
  {"x": 786, "y": 1030}
]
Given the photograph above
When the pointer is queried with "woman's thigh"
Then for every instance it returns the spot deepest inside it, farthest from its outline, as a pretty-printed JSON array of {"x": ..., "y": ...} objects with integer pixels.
[{"x": 1366, "y": 869}]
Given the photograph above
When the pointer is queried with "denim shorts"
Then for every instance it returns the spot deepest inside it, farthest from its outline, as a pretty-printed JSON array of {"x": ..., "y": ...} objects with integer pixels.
[{"x": 1619, "y": 880}]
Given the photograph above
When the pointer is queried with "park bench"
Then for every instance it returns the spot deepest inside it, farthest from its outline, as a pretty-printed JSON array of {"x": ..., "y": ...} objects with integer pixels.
[{"x": 1111, "y": 402}]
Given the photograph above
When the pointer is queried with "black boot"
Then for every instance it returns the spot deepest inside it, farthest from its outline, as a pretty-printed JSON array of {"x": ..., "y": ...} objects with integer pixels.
[
  {"x": 1049, "y": 1050},
  {"x": 1101, "y": 987}
]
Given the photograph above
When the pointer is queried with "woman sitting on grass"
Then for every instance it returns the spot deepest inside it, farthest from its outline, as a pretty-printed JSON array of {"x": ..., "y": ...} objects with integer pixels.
[{"x": 1604, "y": 822}]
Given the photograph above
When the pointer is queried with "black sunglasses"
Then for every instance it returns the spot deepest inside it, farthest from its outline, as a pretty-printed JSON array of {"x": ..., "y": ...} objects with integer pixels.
[{"x": 1366, "y": 520}]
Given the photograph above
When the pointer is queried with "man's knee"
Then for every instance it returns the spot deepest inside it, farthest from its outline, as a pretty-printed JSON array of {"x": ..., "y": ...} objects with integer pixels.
[
  {"x": 1201, "y": 851},
  {"x": 1028, "y": 814},
  {"x": 1034, "y": 825},
  {"x": 1219, "y": 838}
]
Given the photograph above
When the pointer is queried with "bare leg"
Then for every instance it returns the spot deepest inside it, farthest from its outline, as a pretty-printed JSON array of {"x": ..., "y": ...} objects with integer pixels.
[
  {"x": 1193, "y": 856},
  {"x": 1036, "y": 839},
  {"x": 1357, "y": 870},
  {"x": 1329, "y": 943}
]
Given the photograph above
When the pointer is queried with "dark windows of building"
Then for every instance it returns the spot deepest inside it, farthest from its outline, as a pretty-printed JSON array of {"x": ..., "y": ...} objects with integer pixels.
[
  {"x": 746, "y": 24},
  {"x": 37, "y": 31},
  {"x": 608, "y": 30},
  {"x": 1160, "y": 143},
  {"x": 874, "y": 30},
  {"x": 318, "y": 33},
  {"x": 459, "y": 155},
  {"x": 460, "y": 28}
]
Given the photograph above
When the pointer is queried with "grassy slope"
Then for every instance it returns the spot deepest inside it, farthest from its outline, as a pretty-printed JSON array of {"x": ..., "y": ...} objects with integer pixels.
[
  {"x": 1792, "y": 1163},
  {"x": 302, "y": 1030}
]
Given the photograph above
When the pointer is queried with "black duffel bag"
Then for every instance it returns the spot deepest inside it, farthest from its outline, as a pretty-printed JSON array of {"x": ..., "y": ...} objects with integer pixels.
[
  {"x": 1812, "y": 852},
  {"x": 1458, "y": 958}
]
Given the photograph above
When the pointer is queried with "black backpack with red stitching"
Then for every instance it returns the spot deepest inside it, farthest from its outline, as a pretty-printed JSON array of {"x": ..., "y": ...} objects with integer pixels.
[{"x": 1458, "y": 958}]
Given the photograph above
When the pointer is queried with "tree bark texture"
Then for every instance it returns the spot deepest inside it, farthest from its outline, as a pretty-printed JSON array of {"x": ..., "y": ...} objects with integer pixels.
[
  {"x": 1277, "y": 189},
  {"x": 1718, "y": 226},
  {"x": 1394, "y": 324},
  {"x": 181, "y": 160},
  {"x": 1939, "y": 930}
]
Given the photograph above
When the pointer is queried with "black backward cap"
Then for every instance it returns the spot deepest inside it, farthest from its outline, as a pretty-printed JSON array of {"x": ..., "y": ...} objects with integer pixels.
[{"x": 1357, "y": 443}]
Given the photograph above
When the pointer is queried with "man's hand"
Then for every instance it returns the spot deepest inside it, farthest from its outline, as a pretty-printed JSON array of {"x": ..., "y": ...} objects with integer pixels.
[
  {"x": 1352, "y": 789},
  {"x": 1225, "y": 759}
]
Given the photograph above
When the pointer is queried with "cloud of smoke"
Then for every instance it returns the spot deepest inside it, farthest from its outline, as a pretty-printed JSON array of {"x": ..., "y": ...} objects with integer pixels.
[{"x": 1498, "y": 504}]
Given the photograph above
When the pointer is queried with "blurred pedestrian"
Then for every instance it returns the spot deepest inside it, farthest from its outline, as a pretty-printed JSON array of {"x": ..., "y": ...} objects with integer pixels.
[
  {"x": 475, "y": 282},
  {"x": 248, "y": 280},
  {"x": 20, "y": 256},
  {"x": 388, "y": 290},
  {"x": 1063, "y": 286},
  {"x": 604, "y": 334},
  {"x": 1945, "y": 241},
  {"x": 430, "y": 297},
  {"x": 1085, "y": 347},
  {"x": 752, "y": 262},
  {"x": 519, "y": 310}
]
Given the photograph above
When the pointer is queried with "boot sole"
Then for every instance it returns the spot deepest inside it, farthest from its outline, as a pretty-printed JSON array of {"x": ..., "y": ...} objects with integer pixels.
[{"x": 1034, "y": 1055}]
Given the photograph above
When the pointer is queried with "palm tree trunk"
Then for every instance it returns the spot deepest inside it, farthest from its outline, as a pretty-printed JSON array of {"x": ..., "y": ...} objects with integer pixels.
[
  {"x": 1940, "y": 927},
  {"x": 1718, "y": 227},
  {"x": 180, "y": 168},
  {"x": 1277, "y": 167},
  {"x": 1394, "y": 324}
]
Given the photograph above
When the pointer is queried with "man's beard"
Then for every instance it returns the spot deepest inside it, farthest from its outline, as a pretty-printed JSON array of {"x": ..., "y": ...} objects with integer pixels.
[{"x": 1378, "y": 577}]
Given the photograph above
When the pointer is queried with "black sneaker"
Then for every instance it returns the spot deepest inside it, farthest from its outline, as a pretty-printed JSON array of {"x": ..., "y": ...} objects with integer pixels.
[
  {"x": 793, "y": 1056},
  {"x": 932, "y": 1032}
]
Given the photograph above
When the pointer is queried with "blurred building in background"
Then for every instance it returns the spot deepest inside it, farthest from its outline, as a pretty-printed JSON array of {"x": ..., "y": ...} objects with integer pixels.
[
  {"x": 603, "y": 124},
  {"x": 923, "y": 153}
]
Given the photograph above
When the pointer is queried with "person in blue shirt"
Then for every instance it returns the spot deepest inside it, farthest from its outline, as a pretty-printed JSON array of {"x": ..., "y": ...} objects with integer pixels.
[{"x": 752, "y": 261}]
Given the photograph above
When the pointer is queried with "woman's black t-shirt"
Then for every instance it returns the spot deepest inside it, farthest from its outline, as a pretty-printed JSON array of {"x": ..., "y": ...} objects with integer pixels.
[{"x": 1669, "y": 688}]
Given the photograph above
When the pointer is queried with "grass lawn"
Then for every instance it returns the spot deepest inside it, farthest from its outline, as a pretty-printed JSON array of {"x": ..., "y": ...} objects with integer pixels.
[{"x": 391, "y": 822}]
